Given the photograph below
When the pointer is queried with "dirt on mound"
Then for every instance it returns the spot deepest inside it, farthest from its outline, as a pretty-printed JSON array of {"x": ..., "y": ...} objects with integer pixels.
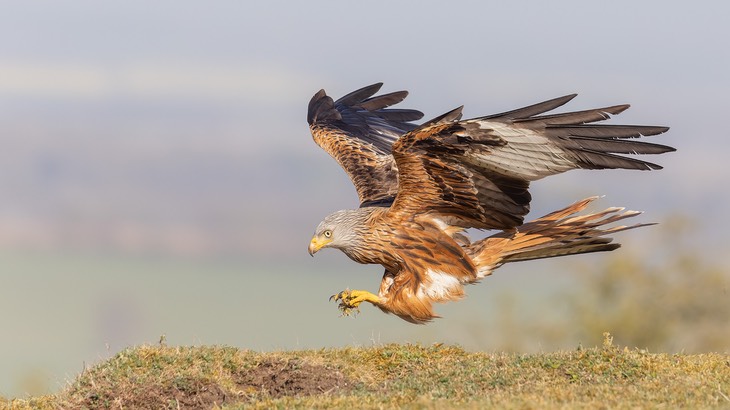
[
  {"x": 180, "y": 393},
  {"x": 292, "y": 377},
  {"x": 269, "y": 378}
]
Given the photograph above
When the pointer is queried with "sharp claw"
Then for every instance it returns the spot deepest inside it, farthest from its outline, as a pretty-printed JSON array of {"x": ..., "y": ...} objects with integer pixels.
[
  {"x": 338, "y": 296},
  {"x": 344, "y": 305}
]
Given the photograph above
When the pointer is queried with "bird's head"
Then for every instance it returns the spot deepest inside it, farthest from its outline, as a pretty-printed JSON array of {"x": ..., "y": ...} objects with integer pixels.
[{"x": 338, "y": 230}]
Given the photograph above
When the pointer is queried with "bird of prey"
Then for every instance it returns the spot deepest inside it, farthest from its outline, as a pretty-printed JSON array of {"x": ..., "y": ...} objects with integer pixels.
[{"x": 421, "y": 186}]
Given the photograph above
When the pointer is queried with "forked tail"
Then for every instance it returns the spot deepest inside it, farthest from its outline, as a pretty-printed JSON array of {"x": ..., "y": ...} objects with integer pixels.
[{"x": 559, "y": 233}]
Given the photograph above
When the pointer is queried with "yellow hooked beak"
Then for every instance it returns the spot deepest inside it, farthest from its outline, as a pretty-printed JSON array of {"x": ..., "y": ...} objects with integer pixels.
[{"x": 317, "y": 243}]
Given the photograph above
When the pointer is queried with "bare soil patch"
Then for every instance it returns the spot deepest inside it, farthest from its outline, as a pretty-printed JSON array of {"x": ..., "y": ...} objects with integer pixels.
[
  {"x": 180, "y": 393},
  {"x": 293, "y": 377}
]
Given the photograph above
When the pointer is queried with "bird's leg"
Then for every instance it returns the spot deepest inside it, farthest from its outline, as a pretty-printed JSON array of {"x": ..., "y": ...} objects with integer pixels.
[{"x": 350, "y": 300}]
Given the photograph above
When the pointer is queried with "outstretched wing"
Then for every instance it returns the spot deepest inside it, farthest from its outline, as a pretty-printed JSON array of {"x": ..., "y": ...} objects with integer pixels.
[
  {"x": 476, "y": 173},
  {"x": 358, "y": 131}
]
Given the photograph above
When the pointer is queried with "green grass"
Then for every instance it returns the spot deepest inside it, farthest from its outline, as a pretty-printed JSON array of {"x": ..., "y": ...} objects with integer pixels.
[{"x": 394, "y": 376}]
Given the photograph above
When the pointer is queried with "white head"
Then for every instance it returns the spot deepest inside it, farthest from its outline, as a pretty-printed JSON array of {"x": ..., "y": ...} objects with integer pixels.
[{"x": 341, "y": 230}]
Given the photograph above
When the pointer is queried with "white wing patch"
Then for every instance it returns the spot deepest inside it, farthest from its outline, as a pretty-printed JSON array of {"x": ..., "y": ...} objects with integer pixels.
[
  {"x": 441, "y": 286},
  {"x": 527, "y": 154}
]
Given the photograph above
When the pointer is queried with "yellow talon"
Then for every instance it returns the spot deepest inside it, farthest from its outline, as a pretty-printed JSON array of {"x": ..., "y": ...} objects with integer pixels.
[{"x": 349, "y": 300}]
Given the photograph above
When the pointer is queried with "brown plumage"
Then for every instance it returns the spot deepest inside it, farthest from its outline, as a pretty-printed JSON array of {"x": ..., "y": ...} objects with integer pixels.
[{"x": 420, "y": 186}]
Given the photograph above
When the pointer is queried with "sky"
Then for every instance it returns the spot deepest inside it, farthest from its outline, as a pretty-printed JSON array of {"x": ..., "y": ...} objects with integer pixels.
[{"x": 153, "y": 150}]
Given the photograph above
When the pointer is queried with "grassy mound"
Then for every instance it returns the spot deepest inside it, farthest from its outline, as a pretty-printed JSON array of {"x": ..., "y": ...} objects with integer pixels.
[{"x": 155, "y": 377}]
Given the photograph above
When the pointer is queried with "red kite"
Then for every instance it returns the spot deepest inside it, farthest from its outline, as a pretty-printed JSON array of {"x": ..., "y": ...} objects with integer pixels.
[{"x": 421, "y": 186}]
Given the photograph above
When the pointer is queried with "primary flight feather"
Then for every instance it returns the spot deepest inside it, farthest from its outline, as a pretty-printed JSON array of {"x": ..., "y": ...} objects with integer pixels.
[{"x": 421, "y": 186}]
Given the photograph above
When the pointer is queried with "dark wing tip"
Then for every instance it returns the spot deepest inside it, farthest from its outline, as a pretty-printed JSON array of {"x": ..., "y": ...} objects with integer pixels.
[
  {"x": 359, "y": 95},
  {"x": 322, "y": 108},
  {"x": 453, "y": 115},
  {"x": 365, "y": 116},
  {"x": 383, "y": 101},
  {"x": 557, "y": 102},
  {"x": 617, "y": 109},
  {"x": 661, "y": 130},
  {"x": 534, "y": 109}
]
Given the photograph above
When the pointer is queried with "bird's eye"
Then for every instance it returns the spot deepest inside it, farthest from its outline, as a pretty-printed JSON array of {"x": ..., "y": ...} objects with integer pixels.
[{"x": 327, "y": 234}]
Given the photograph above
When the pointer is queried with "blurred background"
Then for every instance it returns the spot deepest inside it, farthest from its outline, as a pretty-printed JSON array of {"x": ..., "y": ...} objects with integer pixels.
[{"x": 158, "y": 179}]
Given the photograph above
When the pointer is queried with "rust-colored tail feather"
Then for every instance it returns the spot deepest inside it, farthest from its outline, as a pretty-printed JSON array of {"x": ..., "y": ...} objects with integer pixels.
[{"x": 559, "y": 233}]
